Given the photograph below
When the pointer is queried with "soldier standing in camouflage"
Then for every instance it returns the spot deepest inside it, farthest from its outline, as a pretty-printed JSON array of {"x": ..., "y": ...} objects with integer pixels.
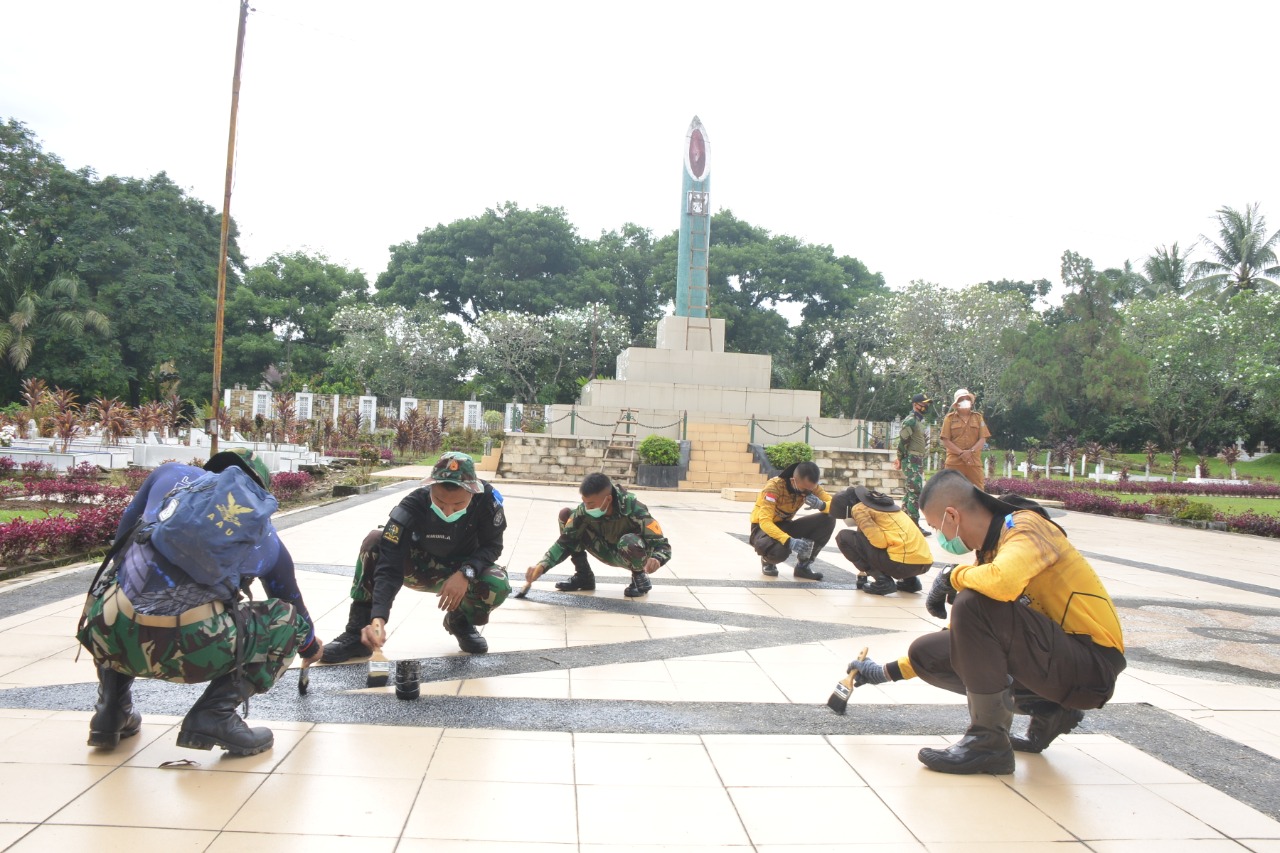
[
  {"x": 444, "y": 537},
  {"x": 911, "y": 449},
  {"x": 615, "y": 527}
]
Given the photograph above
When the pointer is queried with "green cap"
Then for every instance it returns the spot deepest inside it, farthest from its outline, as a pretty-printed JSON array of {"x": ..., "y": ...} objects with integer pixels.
[
  {"x": 241, "y": 457},
  {"x": 457, "y": 468}
]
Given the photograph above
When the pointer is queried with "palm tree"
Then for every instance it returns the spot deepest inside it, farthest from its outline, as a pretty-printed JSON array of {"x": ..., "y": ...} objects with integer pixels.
[
  {"x": 23, "y": 304},
  {"x": 1167, "y": 272},
  {"x": 1244, "y": 260}
]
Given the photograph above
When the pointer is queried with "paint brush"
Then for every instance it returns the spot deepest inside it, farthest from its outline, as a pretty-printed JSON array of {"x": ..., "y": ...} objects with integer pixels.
[
  {"x": 379, "y": 666},
  {"x": 304, "y": 678},
  {"x": 839, "y": 700},
  {"x": 529, "y": 583}
]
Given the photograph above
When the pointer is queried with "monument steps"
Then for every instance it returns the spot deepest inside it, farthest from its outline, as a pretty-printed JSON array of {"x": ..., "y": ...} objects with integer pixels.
[{"x": 719, "y": 459}]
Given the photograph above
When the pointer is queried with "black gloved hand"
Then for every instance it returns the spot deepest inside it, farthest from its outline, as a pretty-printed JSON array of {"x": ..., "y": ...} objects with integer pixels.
[
  {"x": 814, "y": 502},
  {"x": 802, "y": 548},
  {"x": 869, "y": 672},
  {"x": 940, "y": 594}
]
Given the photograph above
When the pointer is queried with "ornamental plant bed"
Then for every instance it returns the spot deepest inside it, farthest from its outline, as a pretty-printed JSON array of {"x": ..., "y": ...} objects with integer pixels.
[{"x": 1092, "y": 497}]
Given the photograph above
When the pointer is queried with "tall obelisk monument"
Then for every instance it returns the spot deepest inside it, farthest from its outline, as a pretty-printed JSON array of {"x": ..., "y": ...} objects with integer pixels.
[{"x": 695, "y": 224}]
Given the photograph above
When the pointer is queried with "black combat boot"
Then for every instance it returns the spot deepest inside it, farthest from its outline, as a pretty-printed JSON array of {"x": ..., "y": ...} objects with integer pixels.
[
  {"x": 213, "y": 720},
  {"x": 469, "y": 639},
  {"x": 879, "y": 584},
  {"x": 640, "y": 585},
  {"x": 347, "y": 645},
  {"x": 985, "y": 747},
  {"x": 113, "y": 715},
  {"x": 911, "y": 584},
  {"x": 1048, "y": 720},
  {"x": 804, "y": 571},
  {"x": 583, "y": 580},
  {"x": 768, "y": 569}
]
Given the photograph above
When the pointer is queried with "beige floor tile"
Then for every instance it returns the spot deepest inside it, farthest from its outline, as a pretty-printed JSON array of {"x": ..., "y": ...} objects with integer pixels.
[
  {"x": 1063, "y": 765},
  {"x": 949, "y": 817},
  {"x": 171, "y": 797},
  {"x": 447, "y": 809},
  {"x": 1228, "y": 697},
  {"x": 1220, "y": 811},
  {"x": 516, "y": 687},
  {"x": 11, "y": 832},
  {"x": 165, "y": 748},
  {"x": 676, "y": 816},
  {"x": 108, "y": 838},
  {"x": 434, "y": 845},
  {"x": 809, "y": 764},
  {"x": 1012, "y": 847},
  {"x": 1115, "y": 812},
  {"x": 1133, "y": 763},
  {"x": 627, "y": 737},
  {"x": 853, "y": 846},
  {"x": 507, "y": 734},
  {"x": 1222, "y": 845},
  {"x": 327, "y": 805},
  {"x": 266, "y": 842},
  {"x": 646, "y": 691},
  {"x": 391, "y": 753},
  {"x": 503, "y": 760},
  {"x": 1261, "y": 845},
  {"x": 895, "y": 764},
  {"x": 730, "y": 691},
  {"x": 30, "y": 792},
  {"x": 53, "y": 671},
  {"x": 599, "y": 636},
  {"x": 34, "y": 646},
  {"x": 818, "y": 816},
  {"x": 644, "y": 763}
]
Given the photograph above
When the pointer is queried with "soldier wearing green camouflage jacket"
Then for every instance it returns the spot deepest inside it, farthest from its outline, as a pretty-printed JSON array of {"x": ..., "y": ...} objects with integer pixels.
[
  {"x": 911, "y": 449},
  {"x": 613, "y": 526}
]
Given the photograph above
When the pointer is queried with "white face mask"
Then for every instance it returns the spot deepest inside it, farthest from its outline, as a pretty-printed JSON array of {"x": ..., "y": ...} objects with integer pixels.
[{"x": 964, "y": 405}]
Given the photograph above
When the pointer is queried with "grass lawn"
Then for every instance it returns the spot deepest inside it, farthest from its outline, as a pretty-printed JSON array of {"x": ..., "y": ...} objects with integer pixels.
[
  {"x": 1230, "y": 506},
  {"x": 7, "y": 515},
  {"x": 1258, "y": 469}
]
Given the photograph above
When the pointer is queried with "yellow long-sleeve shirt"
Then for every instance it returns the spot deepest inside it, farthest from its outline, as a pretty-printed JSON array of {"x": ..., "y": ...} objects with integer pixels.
[
  {"x": 1034, "y": 558},
  {"x": 778, "y": 502},
  {"x": 894, "y": 533}
]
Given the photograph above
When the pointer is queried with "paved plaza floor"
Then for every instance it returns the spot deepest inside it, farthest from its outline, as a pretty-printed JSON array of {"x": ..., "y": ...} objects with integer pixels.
[{"x": 692, "y": 720}]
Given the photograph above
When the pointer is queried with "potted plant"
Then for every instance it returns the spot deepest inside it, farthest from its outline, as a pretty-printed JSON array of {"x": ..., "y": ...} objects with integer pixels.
[{"x": 662, "y": 463}]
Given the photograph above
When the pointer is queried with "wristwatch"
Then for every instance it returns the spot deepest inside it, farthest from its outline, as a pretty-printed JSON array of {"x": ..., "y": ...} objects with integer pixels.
[{"x": 468, "y": 572}]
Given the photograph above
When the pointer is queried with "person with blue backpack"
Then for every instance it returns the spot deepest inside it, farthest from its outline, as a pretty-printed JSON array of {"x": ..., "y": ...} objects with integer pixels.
[{"x": 168, "y": 603}]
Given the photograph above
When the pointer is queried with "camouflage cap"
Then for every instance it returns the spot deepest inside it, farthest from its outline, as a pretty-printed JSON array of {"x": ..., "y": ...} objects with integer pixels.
[
  {"x": 457, "y": 468},
  {"x": 241, "y": 457}
]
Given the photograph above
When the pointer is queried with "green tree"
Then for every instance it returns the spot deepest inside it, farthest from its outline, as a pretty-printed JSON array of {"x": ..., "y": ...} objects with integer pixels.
[
  {"x": 1201, "y": 361},
  {"x": 283, "y": 315},
  {"x": 507, "y": 259},
  {"x": 538, "y": 359},
  {"x": 1242, "y": 259},
  {"x": 627, "y": 261},
  {"x": 1167, "y": 272},
  {"x": 398, "y": 352},
  {"x": 1073, "y": 365}
]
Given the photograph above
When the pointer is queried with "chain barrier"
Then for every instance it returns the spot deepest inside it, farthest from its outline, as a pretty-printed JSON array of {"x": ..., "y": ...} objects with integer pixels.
[
  {"x": 779, "y": 434},
  {"x": 817, "y": 431}
]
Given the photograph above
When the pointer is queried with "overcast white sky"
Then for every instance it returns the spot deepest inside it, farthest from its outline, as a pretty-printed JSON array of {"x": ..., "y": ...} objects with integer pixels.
[{"x": 951, "y": 142}]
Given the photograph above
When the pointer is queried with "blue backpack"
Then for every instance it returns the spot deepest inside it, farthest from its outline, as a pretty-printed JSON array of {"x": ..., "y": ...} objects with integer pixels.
[{"x": 213, "y": 527}]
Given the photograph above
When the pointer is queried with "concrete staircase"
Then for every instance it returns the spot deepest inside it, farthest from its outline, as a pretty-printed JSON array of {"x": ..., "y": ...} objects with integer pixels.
[{"x": 719, "y": 459}]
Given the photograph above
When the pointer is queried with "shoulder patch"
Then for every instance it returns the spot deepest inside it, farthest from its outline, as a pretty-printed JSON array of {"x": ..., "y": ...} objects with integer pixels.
[
  {"x": 770, "y": 497},
  {"x": 392, "y": 533},
  {"x": 497, "y": 495},
  {"x": 653, "y": 527},
  {"x": 499, "y": 518}
]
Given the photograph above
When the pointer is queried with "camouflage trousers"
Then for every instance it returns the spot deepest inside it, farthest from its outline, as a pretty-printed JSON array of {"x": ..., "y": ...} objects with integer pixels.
[
  {"x": 912, "y": 473},
  {"x": 627, "y": 553},
  {"x": 428, "y": 574},
  {"x": 270, "y": 633}
]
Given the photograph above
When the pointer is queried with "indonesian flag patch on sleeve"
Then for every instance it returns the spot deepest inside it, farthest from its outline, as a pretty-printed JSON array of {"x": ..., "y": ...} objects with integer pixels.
[{"x": 771, "y": 498}]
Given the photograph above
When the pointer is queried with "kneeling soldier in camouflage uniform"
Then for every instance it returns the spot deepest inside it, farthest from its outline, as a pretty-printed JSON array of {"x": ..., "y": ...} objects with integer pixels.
[
  {"x": 147, "y": 617},
  {"x": 615, "y": 527},
  {"x": 444, "y": 537}
]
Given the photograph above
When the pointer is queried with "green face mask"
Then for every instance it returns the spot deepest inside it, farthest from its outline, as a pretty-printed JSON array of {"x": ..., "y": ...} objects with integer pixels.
[
  {"x": 451, "y": 517},
  {"x": 952, "y": 545},
  {"x": 598, "y": 513}
]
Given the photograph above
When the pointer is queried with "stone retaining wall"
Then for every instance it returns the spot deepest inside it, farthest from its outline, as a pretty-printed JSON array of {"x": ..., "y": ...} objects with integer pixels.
[
  {"x": 870, "y": 468},
  {"x": 534, "y": 456}
]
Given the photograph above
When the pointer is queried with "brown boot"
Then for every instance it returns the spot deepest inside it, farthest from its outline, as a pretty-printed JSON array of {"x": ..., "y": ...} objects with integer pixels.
[{"x": 985, "y": 747}]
